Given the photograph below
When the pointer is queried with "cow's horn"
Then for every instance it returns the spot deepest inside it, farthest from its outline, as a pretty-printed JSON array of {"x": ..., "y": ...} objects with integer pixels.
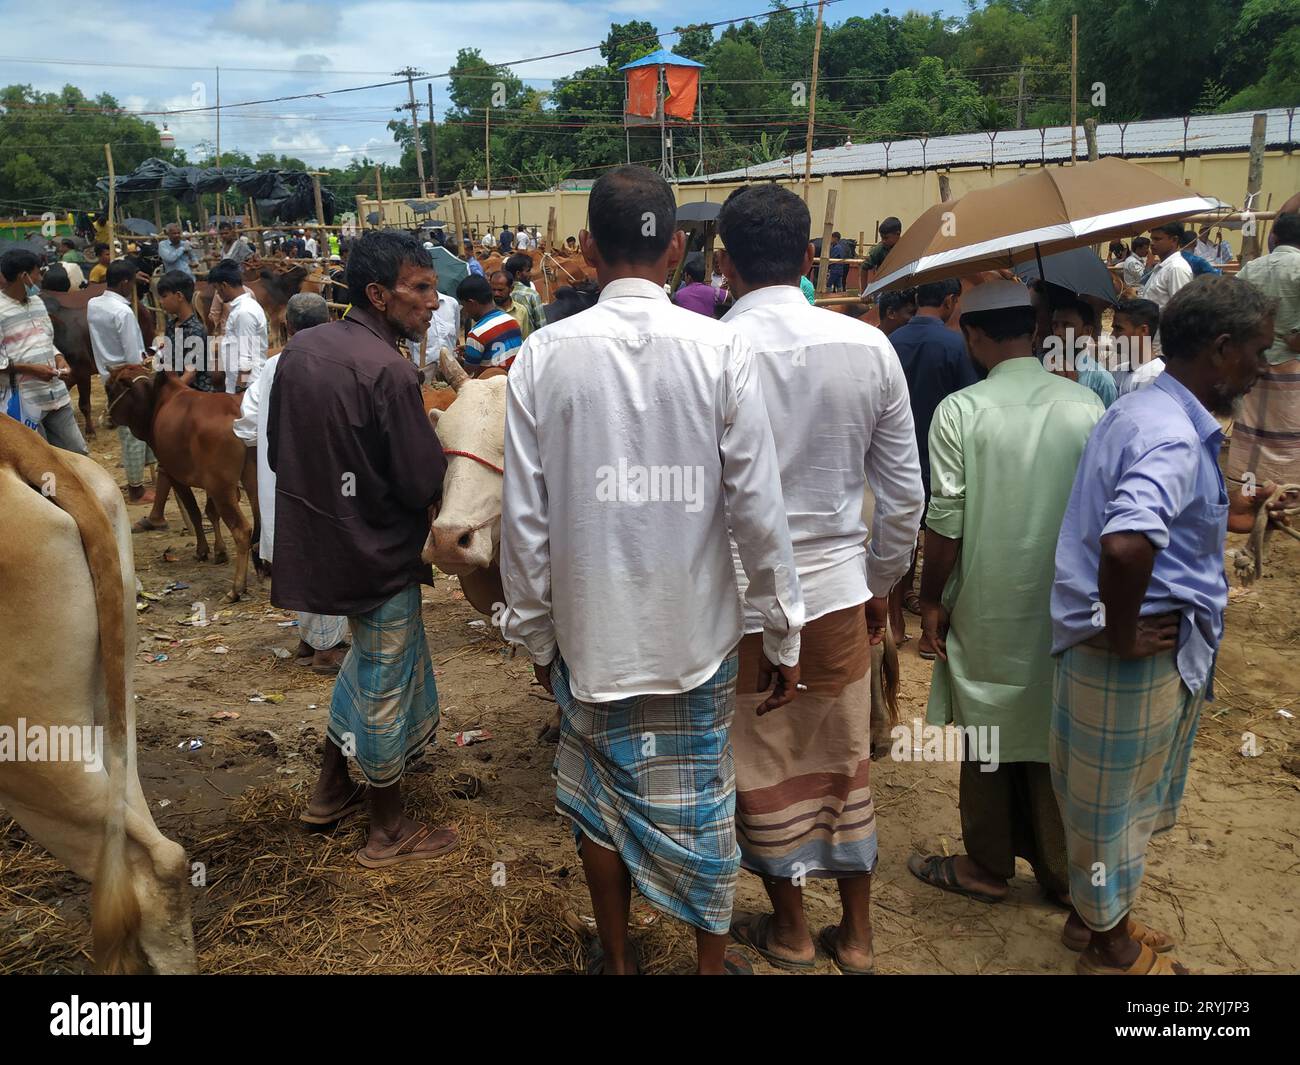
[{"x": 451, "y": 369}]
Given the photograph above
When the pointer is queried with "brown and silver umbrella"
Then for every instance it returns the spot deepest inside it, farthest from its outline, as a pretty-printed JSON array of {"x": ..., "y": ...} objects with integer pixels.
[{"x": 1047, "y": 211}]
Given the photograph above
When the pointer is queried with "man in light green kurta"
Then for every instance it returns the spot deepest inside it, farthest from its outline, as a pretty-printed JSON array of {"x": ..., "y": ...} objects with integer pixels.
[{"x": 1003, "y": 455}]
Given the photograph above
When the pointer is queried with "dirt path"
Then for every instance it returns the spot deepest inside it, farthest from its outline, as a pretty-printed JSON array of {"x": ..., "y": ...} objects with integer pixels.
[{"x": 274, "y": 898}]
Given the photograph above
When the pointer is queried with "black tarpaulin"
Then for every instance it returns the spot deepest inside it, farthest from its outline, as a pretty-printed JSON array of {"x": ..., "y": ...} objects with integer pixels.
[{"x": 280, "y": 195}]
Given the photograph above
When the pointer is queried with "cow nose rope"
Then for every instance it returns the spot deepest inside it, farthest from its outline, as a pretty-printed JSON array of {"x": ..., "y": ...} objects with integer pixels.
[{"x": 477, "y": 458}]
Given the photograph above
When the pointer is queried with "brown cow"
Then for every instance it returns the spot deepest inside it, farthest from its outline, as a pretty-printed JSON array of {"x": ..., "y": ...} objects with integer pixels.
[{"x": 192, "y": 435}]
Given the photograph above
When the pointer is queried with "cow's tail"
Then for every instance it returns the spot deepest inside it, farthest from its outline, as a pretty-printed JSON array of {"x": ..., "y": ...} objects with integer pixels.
[
  {"x": 115, "y": 910},
  {"x": 889, "y": 675}
]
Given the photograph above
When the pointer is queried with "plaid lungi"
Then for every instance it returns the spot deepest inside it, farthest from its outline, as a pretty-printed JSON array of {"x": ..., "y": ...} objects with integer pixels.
[
  {"x": 803, "y": 773},
  {"x": 385, "y": 702},
  {"x": 1266, "y": 435},
  {"x": 1121, "y": 743},
  {"x": 322, "y": 631},
  {"x": 651, "y": 777},
  {"x": 135, "y": 456}
]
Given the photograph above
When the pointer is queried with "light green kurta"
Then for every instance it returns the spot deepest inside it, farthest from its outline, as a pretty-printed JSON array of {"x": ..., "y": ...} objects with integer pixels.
[{"x": 1003, "y": 455}]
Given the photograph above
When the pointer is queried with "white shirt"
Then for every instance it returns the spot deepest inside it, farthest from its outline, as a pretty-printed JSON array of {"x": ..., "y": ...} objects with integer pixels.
[
  {"x": 841, "y": 417},
  {"x": 75, "y": 277},
  {"x": 243, "y": 344},
  {"x": 1143, "y": 375},
  {"x": 27, "y": 338},
  {"x": 250, "y": 427},
  {"x": 632, "y": 429},
  {"x": 523, "y": 241},
  {"x": 489, "y": 240},
  {"x": 1166, "y": 279},
  {"x": 444, "y": 329},
  {"x": 1132, "y": 269},
  {"x": 313, "y": 249},
  {"x": 115, "y": 335}
]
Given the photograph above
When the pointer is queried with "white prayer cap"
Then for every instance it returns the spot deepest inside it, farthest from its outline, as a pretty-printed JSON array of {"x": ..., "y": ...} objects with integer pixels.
[{"x": 994, "y": 296}]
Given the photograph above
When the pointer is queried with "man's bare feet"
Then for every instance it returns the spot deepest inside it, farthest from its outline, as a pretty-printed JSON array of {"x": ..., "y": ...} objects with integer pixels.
[
  {"x": 328, "y": 662},
  {"x": 138, "y": 494}
]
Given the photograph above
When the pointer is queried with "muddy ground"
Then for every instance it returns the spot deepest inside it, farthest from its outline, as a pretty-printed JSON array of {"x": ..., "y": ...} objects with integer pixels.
[{"x": 278, "y": 899}]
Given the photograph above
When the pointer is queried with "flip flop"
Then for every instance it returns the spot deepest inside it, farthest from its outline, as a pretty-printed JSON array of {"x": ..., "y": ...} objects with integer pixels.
[
  {"x": 736, "y": 964},
  {"x": 356, "y": 801},
  {"x": 406, "y": 850},
  {"x": 912, "y": 603},
  {"x": 826, "y": 940},
  {"x": 1147, "y": 963},
  {"x": 145, "y": 525},
  {"x": 751, "y": 930},
  {"x": 1144, "y": 934},
  {"x": 937, "y": 871}
]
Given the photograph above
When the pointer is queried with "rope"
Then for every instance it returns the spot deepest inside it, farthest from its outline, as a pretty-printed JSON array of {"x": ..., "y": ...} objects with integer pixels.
[{"x": 481, "y": 461}]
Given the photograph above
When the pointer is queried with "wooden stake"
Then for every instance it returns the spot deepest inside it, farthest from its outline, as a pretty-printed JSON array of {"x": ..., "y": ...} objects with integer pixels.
[
  {"x": 112, "y": 198},
  {"x": 945, "y": 189},
  {"x": 826, "y": 241},
  {"x": 315, "y": 191},
  {"x": 1074, "y": 89},
  {"x": 1090, "y": 135},
  {"x": 457, "y": 220},
  {"x": 433, "y": 141},
  {"x": 487, "y": 158},
  {"x": 550, "y": 228},
  {"x": 812, "y": 102},
  {"x": 379, "y": 195},
  {"x": 157, "y": 212},
  {"x": 1250, "y": 244}
]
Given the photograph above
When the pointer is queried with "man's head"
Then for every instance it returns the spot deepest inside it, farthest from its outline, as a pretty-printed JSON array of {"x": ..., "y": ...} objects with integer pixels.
[
  {"x": 1141, "y": 246},
  {"x": 631, "y": 220},
  {"x": 20, "y": 269},
  {"x": 997, "y": 322},
  {"x": 1076, "y": 317},
  {"x": 693, "y": 270},
  {"x": 175, "y": 291},
  {"x": 1286, "y": 230},
  {"x": 121, "y": 276},
  {"x": 521, "y": 268},
  {"x": 890, "y": 230},
  {"x": 475, "y": 295},
  {"x": 55, "y": 279},
  {"x": 764, "y": 231},
  {"x": 173, "y": 232},
  {"x": 571, "y": 243},
  {"x": 390, "y": 273},
  {"x": 1204, "y": 233},
  {"x": 1167, "y": 239},
  {"x": 305, "y": 310},
  {"x": 501, "y": 284},
  {"x": 102, "y": 253},
  {"x": 1213, "y": 335},
  {"x": 896, "y": 308},
  {"x": 835, "y": 236},
  {"x": 1135, "y": 319},
  {"x": 938, "y": 299},
  {"x": 228, "y": 279},
  {"x": 1188, "y": 240},
  {"x": 67, "y": 244},
  {"x": 226, "y": 231}
]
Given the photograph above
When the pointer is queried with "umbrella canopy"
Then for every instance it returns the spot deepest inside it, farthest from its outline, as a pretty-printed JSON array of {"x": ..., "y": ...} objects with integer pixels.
[
  {"x": 1079, "y": 270},
  {"x": 1050, "y": 210},
  {"x": 701, "y": 211},
  {"x": 140, "y": 227}
]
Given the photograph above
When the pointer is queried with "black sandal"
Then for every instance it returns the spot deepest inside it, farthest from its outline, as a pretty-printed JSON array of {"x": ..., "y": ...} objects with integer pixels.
[{"x": 938, "y": 871}]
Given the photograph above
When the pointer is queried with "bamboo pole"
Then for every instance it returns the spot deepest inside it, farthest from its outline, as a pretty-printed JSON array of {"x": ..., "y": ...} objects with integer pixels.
[
  {"x": 112, "y": 198},
  {"x": 433, "y": 141},
  {"x": 1254, "y": 182},
  {"x": 379, "y": 195},
  {"x": 550, "y": 228},
  {"x": 157, "y": 212},
  {"x": 487, "y": 159},
  {"x": 315, "y": 191},
  {"x": 826, "y": 242},
  {"x": 457, "y": 220},
  {"x": 1074, "y": 89},
  {"x": 812, "y": 102}
]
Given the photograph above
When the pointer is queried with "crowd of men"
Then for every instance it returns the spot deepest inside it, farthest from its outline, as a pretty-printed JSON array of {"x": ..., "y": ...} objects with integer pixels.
[{"x": 709, "y": 643}]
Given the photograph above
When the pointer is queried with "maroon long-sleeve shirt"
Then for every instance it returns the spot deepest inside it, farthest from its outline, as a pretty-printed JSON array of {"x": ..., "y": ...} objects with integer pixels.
[{"x": 357, "y": 466}]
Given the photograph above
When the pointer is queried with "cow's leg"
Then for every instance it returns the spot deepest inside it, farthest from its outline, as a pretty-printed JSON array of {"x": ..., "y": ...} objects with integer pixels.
[
  {"x": 248, "y": 478},
  {"x": 242, "y": 534},
  {"x": 190, "y": 508},
  {"x": 214, "y": 516},
  {"x": 81, "y": 375}
]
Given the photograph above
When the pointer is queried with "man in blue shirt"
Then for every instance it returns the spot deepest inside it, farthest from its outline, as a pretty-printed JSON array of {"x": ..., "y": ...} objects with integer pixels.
[
  {"x": 1200, "y": 266},
  {"x": 176, "y": 254},
  {"x": 1137, "y": 612},
  {"x": 935, "y": 364}
]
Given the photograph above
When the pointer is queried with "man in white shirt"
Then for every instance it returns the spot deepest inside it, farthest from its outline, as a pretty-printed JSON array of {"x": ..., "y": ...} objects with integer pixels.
[
  {"x": 28, "y": 357},
  {"x": 522, "y": 239},
  {"x": 116, "y": 341},
  {"x": 310, "y": 244},
  {"x": 489, "y": 240},
  {"x": 1173, "y": 271},
  {"x": 617, "y": 569},
  {"x": 841, "y": 419},
  {"x": 244, "y": 340},
  {"x": 1135, "y": 266},
  {"x": 444, "y": 332},
  {"x": 1135, "y": 324},
  {"x": 322, "y": 638}
]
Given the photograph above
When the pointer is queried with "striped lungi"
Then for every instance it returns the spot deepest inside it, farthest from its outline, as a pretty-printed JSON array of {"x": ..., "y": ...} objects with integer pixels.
[
  {"x": 1121, "y": 743},
  {"x": 135, "y": 456},
  {"x": 803, "y": 772},
  {"x": 322, "y": 632},
  {"x": 385, "y": 704},
  {"x": 1266, "y": 437},
  {"x": 651, "y": 777}
]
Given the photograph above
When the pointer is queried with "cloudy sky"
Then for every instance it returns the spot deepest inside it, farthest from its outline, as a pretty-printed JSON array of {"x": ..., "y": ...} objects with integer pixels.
[{"x": 155, "y": 56}]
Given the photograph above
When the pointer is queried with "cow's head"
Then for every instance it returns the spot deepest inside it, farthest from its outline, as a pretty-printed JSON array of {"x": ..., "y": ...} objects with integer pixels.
[
  {"x": 467, "y": 531},
  {"x": 131, "y": 393}
]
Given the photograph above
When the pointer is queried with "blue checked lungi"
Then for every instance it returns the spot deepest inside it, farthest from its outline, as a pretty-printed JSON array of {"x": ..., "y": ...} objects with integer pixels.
[
  {"x": 385, "y": 699},
  {"x": 1121, "y": 744},
  {"x": 135, "y": 456},
  {"x": 652, "y": 778}
]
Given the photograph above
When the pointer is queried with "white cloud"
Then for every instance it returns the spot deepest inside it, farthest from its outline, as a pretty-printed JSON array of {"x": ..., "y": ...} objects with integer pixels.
[{"x": 287, "y": 21}]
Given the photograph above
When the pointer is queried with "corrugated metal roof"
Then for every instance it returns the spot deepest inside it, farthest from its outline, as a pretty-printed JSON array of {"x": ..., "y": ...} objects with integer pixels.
[{"x": 1200, "y": 135}]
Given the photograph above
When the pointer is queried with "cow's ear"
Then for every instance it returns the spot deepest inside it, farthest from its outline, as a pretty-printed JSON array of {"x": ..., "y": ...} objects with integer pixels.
[{"x": 434, "y": 415}]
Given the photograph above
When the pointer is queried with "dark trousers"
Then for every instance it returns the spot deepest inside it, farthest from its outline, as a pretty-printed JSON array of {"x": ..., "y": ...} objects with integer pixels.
[{"x": 1011, "y": 813}]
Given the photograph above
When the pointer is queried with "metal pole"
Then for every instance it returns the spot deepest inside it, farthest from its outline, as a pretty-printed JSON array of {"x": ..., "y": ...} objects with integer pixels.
[
  {"x": 433, "y": 142},
  {"x": 812, "y": 102}
]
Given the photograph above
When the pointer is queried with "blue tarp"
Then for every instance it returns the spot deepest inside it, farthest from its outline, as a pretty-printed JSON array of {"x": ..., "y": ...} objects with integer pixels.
[{"x": 661, "y": 58}]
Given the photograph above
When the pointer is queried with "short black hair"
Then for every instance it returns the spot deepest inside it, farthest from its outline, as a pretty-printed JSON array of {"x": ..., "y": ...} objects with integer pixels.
[
  {"x": 119, "y": 271},
  {"x": 934, "y": 293},
  {"x": 693, "y": 269},
  {"x": 1208, "y": 306},
  {"x": 518, "y": 263},
  {"x": 1287, "y": 228},
  {"x": 176, "y": 281},
  {"x": 68, "y": 242},
  {"x": 1173, "y": 229},
  {"x": 18, "y": 261},
  {"x": 631, "y": 215},
  {"x": 226, "y": 272},
  {"x": 1140, "y": 312},
  {"x": 765, "y": 231},
  {"x": 474, "y": 289},
  {"x": 893, "y": 300},
  {"x": 1004, "y": 323},
  {"x": 378, "y": 256},
  {"x": 56, "y": 280},
  {"x": 1085, "y": 310},
  {"x": 1143, "y": 241},
  {"x": 890, "y": 225},
  {"x": 100, "y": 247}
]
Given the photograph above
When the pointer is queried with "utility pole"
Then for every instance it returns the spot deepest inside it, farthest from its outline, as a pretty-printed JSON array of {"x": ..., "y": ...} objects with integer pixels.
[
  {"x": 812, "y": 101},
  {"x": 1074, "y": 89},
  {"x": 1020, "y": 98},
  {"x": 408, "y": 73},
  {"x": 487, "y": 158},
  {"x": 433, "y": 141}
]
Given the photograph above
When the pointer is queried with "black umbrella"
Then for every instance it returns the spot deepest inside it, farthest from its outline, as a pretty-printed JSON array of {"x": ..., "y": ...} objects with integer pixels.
[
  {"x": 703, "y": 211},
  {"x": 139, "y": 227},
  {"x": 1078, "y": 270}
]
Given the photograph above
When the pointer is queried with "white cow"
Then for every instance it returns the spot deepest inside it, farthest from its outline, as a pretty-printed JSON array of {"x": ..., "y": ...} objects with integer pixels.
[{"x": 67, "y": 627}]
